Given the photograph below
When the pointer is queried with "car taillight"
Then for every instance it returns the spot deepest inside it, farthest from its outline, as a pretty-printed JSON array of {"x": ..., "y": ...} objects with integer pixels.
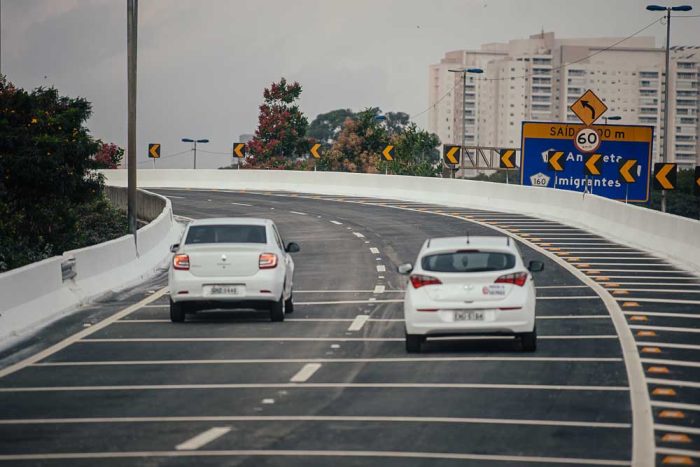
[
  {"x": 181, "y": 262},
  {"x": 267, "y": 261},
  {"x": 418, "y": 281},
  {"x": 517, "y": 278}
]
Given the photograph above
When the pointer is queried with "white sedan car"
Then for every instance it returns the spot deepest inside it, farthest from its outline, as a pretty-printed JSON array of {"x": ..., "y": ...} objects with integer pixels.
[
  {"x": 470, "y": 286},
  {"x": 231, "y": 263}
]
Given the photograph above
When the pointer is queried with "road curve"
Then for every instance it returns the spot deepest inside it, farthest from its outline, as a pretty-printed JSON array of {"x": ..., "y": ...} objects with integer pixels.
[{"x": 332, "y": 384}]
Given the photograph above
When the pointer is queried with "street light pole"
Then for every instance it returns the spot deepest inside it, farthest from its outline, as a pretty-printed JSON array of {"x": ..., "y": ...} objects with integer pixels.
[
  {"x": 131, "y": 36},
  {"x": 667, "y": 143},
  {"x": 195, "y": 141},
  {"x": 614, "y": 117},
  {"x": 464, "y": 72}
]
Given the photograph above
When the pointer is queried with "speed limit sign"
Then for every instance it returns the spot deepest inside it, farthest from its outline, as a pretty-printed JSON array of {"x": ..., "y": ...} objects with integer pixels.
[{"x": 587, "y": 140}]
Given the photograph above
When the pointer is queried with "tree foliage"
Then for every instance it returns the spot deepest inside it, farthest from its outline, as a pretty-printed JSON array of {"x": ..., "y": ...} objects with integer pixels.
[
  {"x": 280, "y": 138},
  {"x": 108, "y": 155},
  {"x": 51, "y": 199}
]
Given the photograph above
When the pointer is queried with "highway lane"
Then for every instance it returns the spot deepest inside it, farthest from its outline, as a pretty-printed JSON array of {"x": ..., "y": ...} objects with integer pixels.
[{"x": 142, "y": 384}]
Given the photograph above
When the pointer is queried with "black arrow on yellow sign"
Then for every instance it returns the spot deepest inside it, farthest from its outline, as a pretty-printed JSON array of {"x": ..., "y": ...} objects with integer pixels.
[
  {"x": 554, "y": 160},
  {"x": 239, "y": 150},
  {"x": 665, "y": 176},
  {"x": 389, "y": 152},
  {"x": 592, "y": 165},
  {"x": 452, "y": 154},
  {"x": 314, "y": 151},
  {"x": 507, "y": 159},
  {"x": 627, "y": 171},
  {"x": 154, "y": 151},
  {"x": 697, "y": 180}
]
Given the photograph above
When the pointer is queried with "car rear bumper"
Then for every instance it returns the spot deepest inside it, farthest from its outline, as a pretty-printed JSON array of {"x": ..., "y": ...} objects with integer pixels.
[
  {"x": 496, "y": 321},
  {"x": 262, "y": 287}
]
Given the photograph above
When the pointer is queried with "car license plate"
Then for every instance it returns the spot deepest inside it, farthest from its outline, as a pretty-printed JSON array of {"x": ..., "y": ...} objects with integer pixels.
[
  {"x": 469, "y": 315},
  {"x": 232, "y": 290}
]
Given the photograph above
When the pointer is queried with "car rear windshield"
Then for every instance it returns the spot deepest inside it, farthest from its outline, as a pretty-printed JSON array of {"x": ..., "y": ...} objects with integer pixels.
[
  {"x": 226, "y": 234},
  {"x": 468, "y": 261}
]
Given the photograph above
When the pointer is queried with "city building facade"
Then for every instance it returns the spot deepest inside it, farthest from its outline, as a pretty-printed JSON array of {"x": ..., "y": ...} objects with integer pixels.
[{"x": 537, "y": 79}]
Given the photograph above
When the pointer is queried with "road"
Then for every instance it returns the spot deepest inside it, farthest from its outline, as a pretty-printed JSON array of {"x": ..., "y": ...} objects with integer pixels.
[{"x": 333, "y": 384}]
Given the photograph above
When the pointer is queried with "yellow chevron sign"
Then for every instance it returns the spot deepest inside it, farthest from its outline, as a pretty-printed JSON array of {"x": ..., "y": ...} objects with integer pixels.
[
  {"x": 554, "y": 160},
  {"x": 592, "y": 165},
  {"x": 665, "y": 176},
  {"x": 239, "y": 150},
  {"x": 154, "y": 151},
  {"x": 507, "y": 159},
  {"x": 314, "y": 151},
  {"x": 626, "y": 171},
  {"x": 388, "y": 152},
  {"x": 452, "y": 154}
]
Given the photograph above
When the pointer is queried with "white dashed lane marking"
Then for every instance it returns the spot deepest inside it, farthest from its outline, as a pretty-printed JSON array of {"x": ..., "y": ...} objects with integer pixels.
[
  {"x": 242, "y": 204},
  {"x": 358, "y": 322},
  {"x": 336, "y": 223},
  {"x": 379, "y": 289},
  {"x": 381, "y": 268},
  {"x": 305, "y": 373},
  {"x": 358, "y": 235},
  {"x": 374, "y": 250},
  {"x": 203, "y": 438}
]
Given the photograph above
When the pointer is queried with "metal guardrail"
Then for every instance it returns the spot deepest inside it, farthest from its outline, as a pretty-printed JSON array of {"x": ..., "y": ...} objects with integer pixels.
[{"x": 68, "y": 269}]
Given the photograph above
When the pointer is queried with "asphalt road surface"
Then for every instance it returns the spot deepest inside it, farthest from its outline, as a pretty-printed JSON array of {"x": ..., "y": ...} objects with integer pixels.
[{"x": 333, "y": 383}]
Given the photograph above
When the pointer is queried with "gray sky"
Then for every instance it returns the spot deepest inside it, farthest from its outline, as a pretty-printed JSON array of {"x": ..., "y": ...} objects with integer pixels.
[{"x": 203, "y": 64}]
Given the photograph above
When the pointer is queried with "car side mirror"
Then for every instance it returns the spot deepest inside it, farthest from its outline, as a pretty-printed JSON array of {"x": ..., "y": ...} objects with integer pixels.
[
  {"x": 535, "y": 266},
  {"x": 405, "y": 268},
  {"x": 292, "y": 248},
  {"x": 174, "y": 247}
]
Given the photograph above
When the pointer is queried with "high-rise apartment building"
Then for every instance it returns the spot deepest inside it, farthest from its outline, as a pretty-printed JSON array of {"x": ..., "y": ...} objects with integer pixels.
[{"x": 537, "y": 79}]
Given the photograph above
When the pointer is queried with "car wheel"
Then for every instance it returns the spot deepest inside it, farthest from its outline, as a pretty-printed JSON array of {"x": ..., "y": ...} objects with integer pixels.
[
  {"x": 277, "y": 310},
  {"x": 414, "y": 343},
  {"x": 289, "y": 305},
  {"x": 177, "y": 312},
  {"x": 528, "y": 341}
]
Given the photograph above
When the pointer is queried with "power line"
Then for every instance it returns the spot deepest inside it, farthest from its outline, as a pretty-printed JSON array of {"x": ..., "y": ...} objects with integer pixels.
[
  {"x": 560, "y": 67},
  {"x": 168, "y": 156}
]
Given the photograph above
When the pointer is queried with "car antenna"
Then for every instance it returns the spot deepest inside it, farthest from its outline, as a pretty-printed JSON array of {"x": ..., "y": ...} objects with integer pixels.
[
  {"x": 508, "y": 240},
  {"x": 467, "y": 238}
]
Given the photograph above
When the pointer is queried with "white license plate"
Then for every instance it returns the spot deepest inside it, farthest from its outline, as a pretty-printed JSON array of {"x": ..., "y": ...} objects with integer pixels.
[
  {"x": 230, "y": 290},
  {"x": 469, "y": 315}
]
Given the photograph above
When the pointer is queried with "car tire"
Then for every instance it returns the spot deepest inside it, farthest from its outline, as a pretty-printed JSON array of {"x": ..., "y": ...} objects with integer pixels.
[
  {"x": 177, "y": 312},
  {"x": 289, "y": 305},
  {"x": 277, "y": 310},
  {"x": 528, "y": 341},
  {"x": 414, "y": 343}
]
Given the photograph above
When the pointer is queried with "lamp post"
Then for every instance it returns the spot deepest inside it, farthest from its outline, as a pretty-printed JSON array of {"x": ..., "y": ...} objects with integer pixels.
[
  {"x": 132, "y": 9},
  {"x": 464, "y": 72},
  {"x": 194, "y": 141},
  {"x": 667, "y": 144},
  {"x": 614, "y": 118}
]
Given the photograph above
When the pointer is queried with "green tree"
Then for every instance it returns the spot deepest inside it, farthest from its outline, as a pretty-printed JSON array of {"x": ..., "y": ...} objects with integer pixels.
[
  {"x": 51, "y": 199},
  {"x": 681, "y": 201},
  {"x": 281, "y": 135},
  {"x": 326, "y": 127},
  {"x": 358, "y": 146}
]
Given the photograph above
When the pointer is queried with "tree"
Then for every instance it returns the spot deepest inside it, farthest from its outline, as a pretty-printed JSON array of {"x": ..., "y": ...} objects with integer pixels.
[
  {"x": 325, "y": 128},
  {"x": 108, "y": 156},
  {"x": 281, "y": 135},
  {"x": 358, "y": 146},
  {"x": 51, "y": 198}
]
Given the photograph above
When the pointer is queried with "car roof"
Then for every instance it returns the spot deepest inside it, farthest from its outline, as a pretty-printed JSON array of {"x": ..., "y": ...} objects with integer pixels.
[
  {"x": 232, "y": 221},
  {"x": 492, "y": 242}
]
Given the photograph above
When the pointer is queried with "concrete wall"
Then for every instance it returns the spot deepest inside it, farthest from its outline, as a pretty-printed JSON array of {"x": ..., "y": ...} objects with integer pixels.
[
  {"x": 36, "y": 294},
  {"x": 673, "y": 237}
]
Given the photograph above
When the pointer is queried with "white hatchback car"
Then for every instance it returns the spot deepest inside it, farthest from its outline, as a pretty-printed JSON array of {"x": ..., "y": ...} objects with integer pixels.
[
  {"x": 231, "y": 263},
  {"x": 470, "y": 286}
]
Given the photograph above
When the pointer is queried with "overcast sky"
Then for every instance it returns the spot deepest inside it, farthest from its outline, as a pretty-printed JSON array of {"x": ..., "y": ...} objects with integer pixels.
[{"x": 203, "y": 64}]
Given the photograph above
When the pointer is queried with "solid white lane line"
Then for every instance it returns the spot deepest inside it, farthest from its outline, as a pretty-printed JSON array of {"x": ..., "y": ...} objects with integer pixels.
[
  {"x": 346, "y": 291},
  {"x": 665, "y": 315},
  {"x": 374, "y": 320},
  {"x": 318, "y": 339},
  {"x": 663, "y": 328},
  {"x": 358, "y": 235},
  {"x": 381, "y": 268},
  {"x": 336, "y": 223},
  {"x": 669, "y": 345},
  {"x": 174, "y": 197},
  {"x": 374, "y": 250},
  {"x": 297, "y": 212},
  {"x": 675, "y": 405},
  {"x": 305, "y": 373},
  {"x": 662, "y": 361},
  {"x": 350, "y": 302},
  {"x": 77, "y": 337},
  {"x": 302, "y": 385},
  {"x": 664, "y": 284},
  {"x": 674, "y": 382},
  {"x": 677, "y": 429},
  {"x": 203, "y": 438},
  {"x": 315, "y": 418},
  {"x": 562, "y": 287},
  {"x": 567, "y": 317},
  {"x": 581, "y": 257},
  {"x": 674, "y": 291},
  {"x": 657, "y": 300},
  {"x": 242, "y": 204},
  {"x": 358, "y": 322},
  {"x": 623, "y": 264},
  {"x": 675, "y": 278},
  {"x": 333, "y": 360},
  {"x": 378, "y": 289},
  {"x": 657, "y": 271},
  {"x": 583, "y": 297},
  {"x": 678, "y": 452}
]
